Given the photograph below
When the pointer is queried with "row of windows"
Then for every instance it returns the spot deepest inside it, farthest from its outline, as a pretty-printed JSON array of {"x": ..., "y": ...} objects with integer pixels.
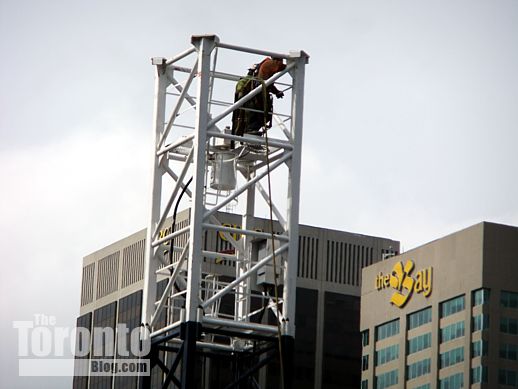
[
  {"x": 418, "y": 369},
  {"x": 447, "y": 308},
  {"x": 452, "y": 306},
  {"x": 387, "y": 379},
  {"x": 479, "y": 348},
  {"x": 451, "y": 357},
  {"x": 508, "y": 377},
  {"x": 419, "y": 343},
  {"x": 480, "y": 322},
  {"x": 509, "y": 351},
  {"x": 454, "y": 381},
  {"x": 453, "y": 331},
  {"x": 387, "y": 330},
  {"x": 479, "y": 374},
  {"x": 509, "y": 299},
  {"x": 387, "y": 354},
  {"x": 365, "y": 338},
  {"x": 480, "y": 296},
  {"x": 419, "y": 318},
  {"x": 509, "y": 325},
  {"x": 365, "y": 362}
]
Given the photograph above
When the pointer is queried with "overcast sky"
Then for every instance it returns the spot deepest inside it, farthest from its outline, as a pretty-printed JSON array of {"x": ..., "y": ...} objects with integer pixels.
[{"x": 410, "y": 124}]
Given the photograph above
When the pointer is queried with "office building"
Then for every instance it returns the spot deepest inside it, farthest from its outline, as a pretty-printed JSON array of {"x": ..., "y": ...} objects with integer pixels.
[
  {"x": 444, "y": 315},
  {"x": 327, "y": 343}
]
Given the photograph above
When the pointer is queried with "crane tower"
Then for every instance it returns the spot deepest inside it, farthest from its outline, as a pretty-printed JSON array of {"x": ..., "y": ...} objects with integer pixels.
[{"x": 196, "y": 155}]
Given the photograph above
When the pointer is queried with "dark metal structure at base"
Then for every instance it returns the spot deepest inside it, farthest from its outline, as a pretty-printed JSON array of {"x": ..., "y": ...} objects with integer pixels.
[{"x": 187, "y": 356}]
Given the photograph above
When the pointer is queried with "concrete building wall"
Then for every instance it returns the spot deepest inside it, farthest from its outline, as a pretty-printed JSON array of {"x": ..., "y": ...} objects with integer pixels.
[{"x": 482, "y": 256}]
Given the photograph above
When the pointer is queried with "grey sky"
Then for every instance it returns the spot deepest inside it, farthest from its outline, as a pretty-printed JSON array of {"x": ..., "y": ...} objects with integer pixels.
[{"x": 409, "y": 132}]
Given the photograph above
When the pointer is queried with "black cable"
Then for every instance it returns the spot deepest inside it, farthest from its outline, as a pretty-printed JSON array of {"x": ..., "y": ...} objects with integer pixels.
[{"x": 184, "y": 189}]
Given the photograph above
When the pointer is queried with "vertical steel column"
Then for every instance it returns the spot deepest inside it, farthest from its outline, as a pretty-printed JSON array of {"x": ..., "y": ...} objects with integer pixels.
[
  {"x": 150, "y": 263},
  {"x": 290, "y": 274},
  {"x": 244, "y": 289},
  {"x": 204, "y": 46}
]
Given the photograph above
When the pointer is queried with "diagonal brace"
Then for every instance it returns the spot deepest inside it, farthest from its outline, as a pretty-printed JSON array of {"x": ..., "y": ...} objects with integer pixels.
[
  {"x": 240, "y": 190},
  {"x": 244, "y": 276}
]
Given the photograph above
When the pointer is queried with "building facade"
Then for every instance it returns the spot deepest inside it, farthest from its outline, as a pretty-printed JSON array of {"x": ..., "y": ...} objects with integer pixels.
[
  {"x": 327, "y": 343},
  {"x": 444, "y": 315}
]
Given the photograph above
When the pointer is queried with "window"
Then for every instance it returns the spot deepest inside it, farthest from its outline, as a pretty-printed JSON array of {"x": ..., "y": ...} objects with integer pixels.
[
  {"x": 387, "y": 379},
  {"x": 451, "y": 357},
  {"x": 425, "y": 386},
  {"x": 507, "y": 377},
  {"x": 82, "y": 343},
  {"x": 419, "y": 343},
  {"x": 338, "y": 352},
  {"x": 452, "y": 306},
  {"x": 365, "y": 362},
  {"x": 387, "y": 354},
  {"x": 365, "y": 338},
  {"x": 480, "y": 296},
  {"x": 480, "y": 322},
  {"x": 103, "y": 346},
  {"x": 478, "y": 348},
  {"x": 453, "y": 331},
  {"x": 419, "y": 318},
  {"x": 418, "y": 369},
  {"x": 387, "y": 330},
  {"x": 509, "y": 299},
  {"x": 508, "y": 351},
  {"x": 365, "y": 384},
  {"x": 454, "y": 381},
  {"x": 479, "y": 374},
  {"x": 509, "y": 325}
]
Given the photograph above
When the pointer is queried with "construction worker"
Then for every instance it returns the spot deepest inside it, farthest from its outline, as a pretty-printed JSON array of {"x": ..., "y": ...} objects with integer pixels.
[{"x": 256, "y": 113}]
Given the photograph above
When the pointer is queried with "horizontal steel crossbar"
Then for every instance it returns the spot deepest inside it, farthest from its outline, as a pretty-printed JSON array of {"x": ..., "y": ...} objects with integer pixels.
[
  {"x": 250, "y": 95},
  {"x": 252, "y": 140},
  {"x": 252, "y": 51},
  {"x": 243, "y": 276},
  {"x": 240, "y": 190},
  {"x": 258, "y": 234},
  {"x": 240, "y": 324},
  {"x": 170, "y": 236}
]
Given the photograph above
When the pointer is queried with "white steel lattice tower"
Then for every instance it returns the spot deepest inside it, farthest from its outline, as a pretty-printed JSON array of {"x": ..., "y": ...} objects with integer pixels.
[{"x": 189, "y": 141}]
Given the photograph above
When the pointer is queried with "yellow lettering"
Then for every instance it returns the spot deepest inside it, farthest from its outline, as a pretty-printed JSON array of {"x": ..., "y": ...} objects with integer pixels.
[
  {"x": 419, "y": 282},
  {"x": 427, "y": 282},
  {"x": 235, "y": 235},
  {"x": 222, "y": 234},
  {"x": 386, "y": 281},
  {"x": 402, "y": 280},
  {"x": 379, "y": 281}
]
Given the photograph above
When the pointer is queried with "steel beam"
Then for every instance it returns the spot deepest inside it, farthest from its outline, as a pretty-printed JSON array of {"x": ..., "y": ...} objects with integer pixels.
[
  {"x": 204, "y": 46},
  {"x": 290, "y": 273},
  {"x": 150, "y": 264}
]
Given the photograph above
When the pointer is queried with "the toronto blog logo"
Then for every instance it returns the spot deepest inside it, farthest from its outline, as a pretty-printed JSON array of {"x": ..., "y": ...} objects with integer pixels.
[{"x": 46, "y": 349}]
